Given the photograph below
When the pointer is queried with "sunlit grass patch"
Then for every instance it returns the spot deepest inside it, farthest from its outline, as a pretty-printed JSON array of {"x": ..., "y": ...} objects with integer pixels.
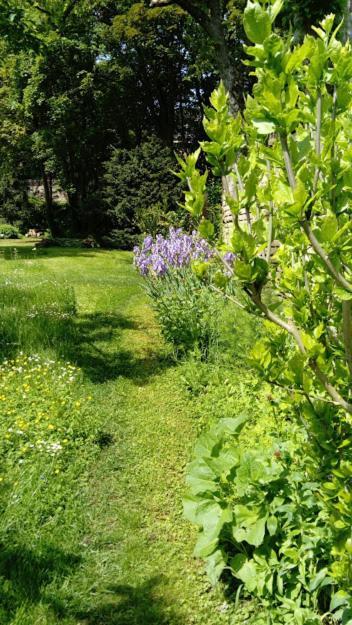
[{"x": 34, "y": 314}]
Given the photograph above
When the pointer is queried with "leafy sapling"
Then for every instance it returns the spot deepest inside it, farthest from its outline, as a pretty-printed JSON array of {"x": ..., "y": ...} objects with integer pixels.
[{"x": 289, "y": 160}]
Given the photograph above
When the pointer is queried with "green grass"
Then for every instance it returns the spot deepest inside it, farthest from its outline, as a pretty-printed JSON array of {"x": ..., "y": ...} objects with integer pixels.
[{"x": 117, "y": 550}]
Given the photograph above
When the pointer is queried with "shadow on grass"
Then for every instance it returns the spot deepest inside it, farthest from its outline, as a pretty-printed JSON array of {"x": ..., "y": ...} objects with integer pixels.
[
  {"x": 129, "y": 605},
  {"x": 25, "y": 574},
  {"x": 95, "y": 346},
  {"x": 26, "y": 252}
]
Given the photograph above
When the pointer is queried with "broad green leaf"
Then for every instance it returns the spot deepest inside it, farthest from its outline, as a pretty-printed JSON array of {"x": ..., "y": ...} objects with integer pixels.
[
  {"x": 264, "y": 127},
  {"x": 328, "y": 228},
  {"x": 206, "y": 229},
  {"x": 255, "y": 534},
  {"x": 215, "y": 564},
  {"x": 245, "y": 570},
  {"x": 256, "y": 22},
  {"x": 298, "y": 55},
  {"x": 338, "y": 599},
  {"x": 190, "y": 507},
  {"x": 205, "y": 545},
  {"x": 231, "y": 425},
  {"x": 318, "y": 579},
  {"x": 341, "y": 294},
  {"x": 272, "y": 525},
  {"x": 275, "y": 9}
]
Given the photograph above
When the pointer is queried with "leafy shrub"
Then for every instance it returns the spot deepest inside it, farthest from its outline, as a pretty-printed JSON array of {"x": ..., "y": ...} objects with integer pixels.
[
  {"x": 7, "y": 231},
  {"x": 187, "y": 311},
  {"x": 263, "y": 519},
  {"x": 120, "y": 240},
  {"x": 139, "y": 178},
  {"x": 287, "y": 158}
]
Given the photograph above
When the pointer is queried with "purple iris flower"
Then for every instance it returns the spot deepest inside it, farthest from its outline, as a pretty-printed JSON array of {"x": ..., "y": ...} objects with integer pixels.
[{"x": 177, "y": 250}]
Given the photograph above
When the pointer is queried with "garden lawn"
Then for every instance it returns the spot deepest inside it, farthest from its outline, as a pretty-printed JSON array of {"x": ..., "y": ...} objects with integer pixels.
[{"x": 119, "y": 551}]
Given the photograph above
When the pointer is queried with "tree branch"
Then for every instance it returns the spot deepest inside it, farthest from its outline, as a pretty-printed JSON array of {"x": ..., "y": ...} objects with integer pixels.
[
  {"x": 229, "y": 297},
  {"x": 318, "y": 139},
  {"x": 319, "y": 250},
  {"x": 242, "y": 190},
  {"x": 347, "y": 332},
  {"x": 291, "y": 329},
  {"x": 340, "y": 279},
  {"x": 271, "y": 218}
]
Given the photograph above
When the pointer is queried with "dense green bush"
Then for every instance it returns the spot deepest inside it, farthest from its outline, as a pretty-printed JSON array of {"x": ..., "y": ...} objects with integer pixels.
[
  {"x": 120, "y": 240},
  {"x": 7, "y": 231},
  {"x": 140, "y": 187},
  {"x": 288, "y": 164},
  {"x": 262, "y": 517},
  {"x": 187, "y": 311}
]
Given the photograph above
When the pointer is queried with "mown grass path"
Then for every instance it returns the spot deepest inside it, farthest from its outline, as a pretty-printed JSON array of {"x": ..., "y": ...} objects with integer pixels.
[{"x": 136, "y": 565}]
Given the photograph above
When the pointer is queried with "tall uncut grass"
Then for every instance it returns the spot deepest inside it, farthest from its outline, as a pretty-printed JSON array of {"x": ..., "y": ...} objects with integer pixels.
[{"x": 35, "y": 317}]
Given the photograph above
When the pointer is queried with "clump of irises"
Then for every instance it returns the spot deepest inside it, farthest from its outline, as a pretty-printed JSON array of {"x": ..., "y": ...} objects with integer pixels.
[{"x": 177, "y": 250}]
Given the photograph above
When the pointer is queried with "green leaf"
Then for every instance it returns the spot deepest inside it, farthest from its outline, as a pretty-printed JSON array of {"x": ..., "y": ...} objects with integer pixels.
[
  {"x": 272, "y": 525},
  {"x": 231, "y": 425},
  {"x": 328, "y": 228},
  {"x": 206, "y": 229},
  {"x": 264, "y": 127},
  {"x": 343, "y": 295},
  {"x": 215, "y": 564},
  {"x": 318, "y": 579},
  {"x": 219, "y": 97},
  {"x": 257, "y": 23},
  {"x": 255, "y": 534},
  {"x": 190, "y": 507},
  {"x": 245, "y": 570},
  {"x": 338, "y": 599},
  {"x": 205, "y": 545},
  {"x": 275, "y": 9},
  {"x": 298, "y": 55}
]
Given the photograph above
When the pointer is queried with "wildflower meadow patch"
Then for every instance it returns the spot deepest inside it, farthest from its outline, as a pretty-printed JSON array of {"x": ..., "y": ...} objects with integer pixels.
[{"x": 41, "y": 414}]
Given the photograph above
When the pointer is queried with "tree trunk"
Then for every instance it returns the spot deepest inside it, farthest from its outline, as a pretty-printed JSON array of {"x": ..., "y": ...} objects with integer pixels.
[
  {"x": 211, "y": 18},
  {"x": 349, "y": 20},
  {"x": 48, "y": 192}
]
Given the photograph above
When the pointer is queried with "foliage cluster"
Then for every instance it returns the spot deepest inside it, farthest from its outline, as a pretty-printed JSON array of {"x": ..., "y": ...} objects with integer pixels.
[
  {"x": 288, "y": 159},
  {"x": 264, "y": 520},
  {"x": 140, "y": 191},
  {"x": 86, "y": 82},
  {"x": 7, "y": 231},
  {"x": 187, "y": 311}
]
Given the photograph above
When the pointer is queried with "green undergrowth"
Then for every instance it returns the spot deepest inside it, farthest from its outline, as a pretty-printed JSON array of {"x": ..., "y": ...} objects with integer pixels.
[{"x": 95, "y": 534}]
